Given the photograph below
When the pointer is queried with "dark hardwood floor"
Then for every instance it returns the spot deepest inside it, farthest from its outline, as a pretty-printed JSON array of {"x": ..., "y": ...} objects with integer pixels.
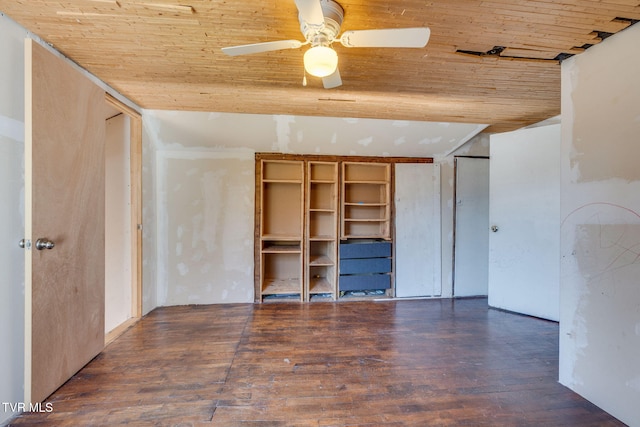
[{"x": 397, "y": 363}]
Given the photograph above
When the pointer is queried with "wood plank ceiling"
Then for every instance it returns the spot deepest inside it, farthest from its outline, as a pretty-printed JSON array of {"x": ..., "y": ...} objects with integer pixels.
[{"x": 494, "y": 61}]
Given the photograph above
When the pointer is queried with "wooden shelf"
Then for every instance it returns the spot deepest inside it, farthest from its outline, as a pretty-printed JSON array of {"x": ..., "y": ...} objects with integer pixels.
[
  {"x": 363, "y": 236},
  {"x": 366, "y": 200},
  {"x": 281, "y": 208},
  {"x": 281, "y": 226},
  {"x": 321, "y": 229},
  {"x": 320, "y": 261},
  {"x": 320, "y": 285},
  {"x": 282, "y": 237},
  {"x": 280, "y": 286},
  {"x": 282, "y": 171},
  {"x": 366, "y": 172},
  {"x": 282, "y": 181},
  {"x": 282, "y": 249},
  {"x": 320, "y": 238},
  {"x": 323, "y": 172},
  {"x": 367, "y": 182}
]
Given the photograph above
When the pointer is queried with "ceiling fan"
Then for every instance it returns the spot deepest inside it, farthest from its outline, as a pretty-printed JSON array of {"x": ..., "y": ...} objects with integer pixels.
[{"x": 320, "y": 22}]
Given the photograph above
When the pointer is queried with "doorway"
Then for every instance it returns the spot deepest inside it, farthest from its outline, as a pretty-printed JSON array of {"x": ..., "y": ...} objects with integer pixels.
[
  {"x": 471, "y": 227},
  {"x": 123, "y": 279}
]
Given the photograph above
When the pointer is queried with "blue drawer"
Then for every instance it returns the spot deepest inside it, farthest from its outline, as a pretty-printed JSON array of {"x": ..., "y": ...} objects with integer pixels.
[
  {"x": 365, "y": 265},
  {"x": 364, "y": 281},
  {"x": 365, "y": 250}
]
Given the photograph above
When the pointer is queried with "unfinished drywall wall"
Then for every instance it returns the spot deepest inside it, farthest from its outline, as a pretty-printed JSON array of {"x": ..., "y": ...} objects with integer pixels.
[
  {"x": 149, "y": 217},
  {"x": 600, "y": 234},
  {"x": 524, "y": 205},
  {"x": 198, "y": 214},
  {"x": 11, "y": 214},
  {"x": 310, "y": 135},
  {"x": 205, "y": 211},
  {"x": 117, "y": 284},
  {"x": 202, "y": 133}
]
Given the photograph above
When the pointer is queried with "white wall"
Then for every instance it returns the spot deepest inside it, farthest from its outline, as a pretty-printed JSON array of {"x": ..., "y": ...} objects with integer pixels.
[
  {"x": 524, "y": 204},
  {"x": 11, "y": 213},
  {"x": 600, "y": 235}
]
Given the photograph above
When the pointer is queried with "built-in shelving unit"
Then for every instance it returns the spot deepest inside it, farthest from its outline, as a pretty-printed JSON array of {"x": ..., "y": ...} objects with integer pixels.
[
  {"x": 324, "y": 226},
  {"x": 366, "y": 200},
  {"x": 281, "y": 227},
  {"x": 321, "y": 229}
]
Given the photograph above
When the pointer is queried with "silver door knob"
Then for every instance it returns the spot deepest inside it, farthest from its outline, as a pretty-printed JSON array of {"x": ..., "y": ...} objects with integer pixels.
[{"x": 44, "y": 244}]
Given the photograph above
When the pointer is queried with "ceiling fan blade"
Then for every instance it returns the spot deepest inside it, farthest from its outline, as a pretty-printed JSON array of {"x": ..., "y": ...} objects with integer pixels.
[
  {"x": 332, "y": 80},
  {"x": 310, "y": 11},
  {"x": 247, "y": 49},
  {"x": 393, "y": 37}
]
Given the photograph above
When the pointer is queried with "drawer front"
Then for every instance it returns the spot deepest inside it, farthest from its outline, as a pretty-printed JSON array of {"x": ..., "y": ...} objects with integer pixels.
[
  {"x": 365, "y": 250},
  {"x": 365, "y": 281},
  {"x": 365, "y": 265}
]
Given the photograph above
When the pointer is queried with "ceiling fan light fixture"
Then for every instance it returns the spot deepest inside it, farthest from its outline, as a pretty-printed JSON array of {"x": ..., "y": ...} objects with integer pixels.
[{"x": 320, "y": 61}]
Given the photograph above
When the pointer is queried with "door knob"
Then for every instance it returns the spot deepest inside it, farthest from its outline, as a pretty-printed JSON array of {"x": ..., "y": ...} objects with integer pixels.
[
  {"x": 494, "y": 228},
  {"x": 44, "y": 244}
]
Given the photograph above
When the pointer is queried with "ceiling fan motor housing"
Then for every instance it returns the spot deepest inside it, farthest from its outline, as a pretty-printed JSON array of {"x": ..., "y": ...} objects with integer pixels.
[{"x": 325, "y": 34}]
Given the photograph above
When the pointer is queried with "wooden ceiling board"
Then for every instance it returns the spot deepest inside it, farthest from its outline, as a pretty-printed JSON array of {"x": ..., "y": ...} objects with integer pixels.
[{"x": 166, "y": 55}]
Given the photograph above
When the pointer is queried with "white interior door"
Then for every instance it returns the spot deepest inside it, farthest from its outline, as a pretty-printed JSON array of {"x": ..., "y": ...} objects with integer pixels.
[
  {"x": 64, "y": 212},
  {"x": 471, "y": 256},
  {"x": 417, "y": 230},
  {"x": 524, "y": 251}
]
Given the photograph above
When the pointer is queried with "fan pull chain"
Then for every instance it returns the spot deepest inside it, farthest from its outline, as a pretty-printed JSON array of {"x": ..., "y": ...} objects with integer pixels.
[{"x": 304, "y": 78}]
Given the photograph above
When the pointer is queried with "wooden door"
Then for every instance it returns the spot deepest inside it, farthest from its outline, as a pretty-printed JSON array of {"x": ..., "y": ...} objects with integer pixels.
[{"x": 64, "y": 204}]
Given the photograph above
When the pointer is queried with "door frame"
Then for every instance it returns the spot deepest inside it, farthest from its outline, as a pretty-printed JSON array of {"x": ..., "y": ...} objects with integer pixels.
[
  {"x": 455, "y": 215},
  {"x": 135, "y": 167}
]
